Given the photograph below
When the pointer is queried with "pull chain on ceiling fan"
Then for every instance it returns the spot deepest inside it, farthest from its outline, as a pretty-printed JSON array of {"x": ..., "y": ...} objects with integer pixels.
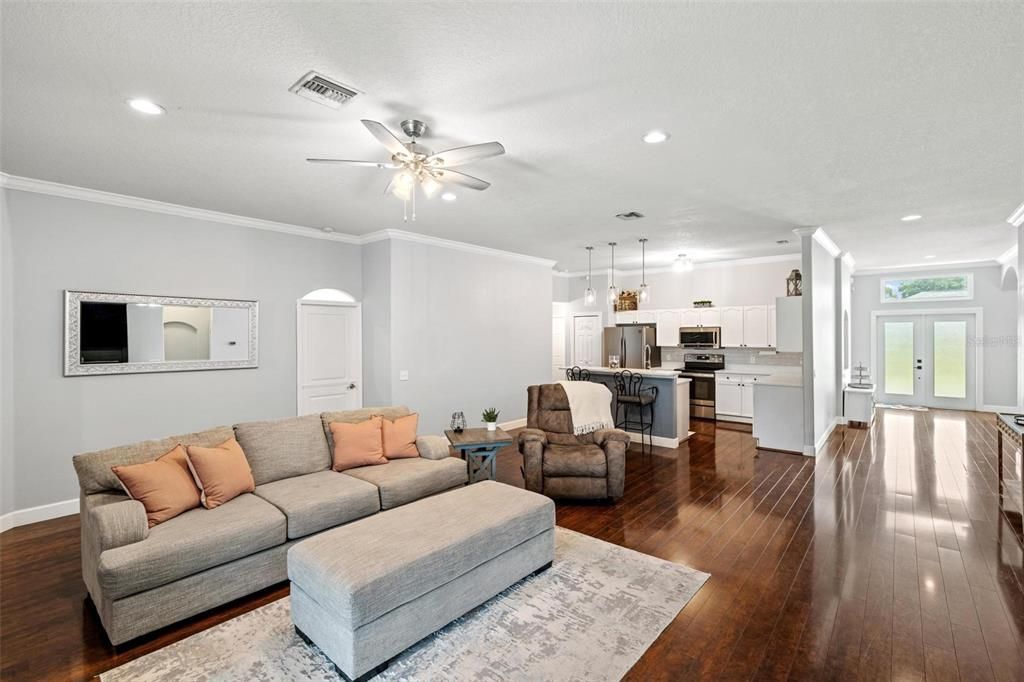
[{"x": 418, "y": 166}]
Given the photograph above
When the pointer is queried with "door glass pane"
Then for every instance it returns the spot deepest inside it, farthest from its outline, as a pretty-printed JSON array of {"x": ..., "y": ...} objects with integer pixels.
[
  {"x": 899, "y": 357},
  {"x": 950, "y": 359}
]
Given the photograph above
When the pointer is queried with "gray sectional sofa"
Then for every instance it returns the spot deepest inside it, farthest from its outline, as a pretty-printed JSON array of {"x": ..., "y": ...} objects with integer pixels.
[{"x": 141, "y": 579}]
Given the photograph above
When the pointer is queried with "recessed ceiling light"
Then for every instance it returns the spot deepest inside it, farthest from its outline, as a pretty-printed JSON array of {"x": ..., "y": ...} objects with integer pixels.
[
  {"x": 930, "y": 255},
  {"x": 656, "y": 137},
  {"x": 910, "y": 218},
  {"x": 448, "y": 196},
  {"x": 145, "y": 106}
]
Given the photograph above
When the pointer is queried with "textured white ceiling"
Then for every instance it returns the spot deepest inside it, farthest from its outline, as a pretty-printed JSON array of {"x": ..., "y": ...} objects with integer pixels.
[{"x": 782, "y": 115}]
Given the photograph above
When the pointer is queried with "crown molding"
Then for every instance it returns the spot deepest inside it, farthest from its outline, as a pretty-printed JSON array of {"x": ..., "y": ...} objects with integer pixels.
[
  {"x": 57, "y": 189},
  {"x": 819, "y": 235},
  {"x": 848, "y": 260},
  {"x": 924, "y": 267},
  {"x": 1017, "y": 217},
  {"x": 1008, "y": 257},
  {"x": 753, "y": 260},
  {"x": 402, "y": 235}
]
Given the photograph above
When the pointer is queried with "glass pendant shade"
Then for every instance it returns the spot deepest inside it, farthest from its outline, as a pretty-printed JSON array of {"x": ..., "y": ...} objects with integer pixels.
[
  {"x": 613, "y": 294},
  {"x": 589, "y": 297},
  {"x": 645, "y": 293},
  {"x": 429, "y": 185}
]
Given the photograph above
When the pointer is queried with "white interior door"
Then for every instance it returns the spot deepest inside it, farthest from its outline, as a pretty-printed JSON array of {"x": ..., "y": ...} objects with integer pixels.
[
  {"x": 586, "y": 340},
  {"x": 557, "y": 347},
  {"x": 927, "y": 360},
  {"x": 330, "y": 362}
]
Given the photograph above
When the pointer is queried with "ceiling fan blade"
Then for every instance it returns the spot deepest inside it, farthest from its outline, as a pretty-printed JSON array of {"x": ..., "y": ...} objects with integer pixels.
[
  {"x": 386, "y": 137},
  {"x": 348, "y": 162},
  {"x": 461, "y": 155},
  {"x": 457, "y": 178}
]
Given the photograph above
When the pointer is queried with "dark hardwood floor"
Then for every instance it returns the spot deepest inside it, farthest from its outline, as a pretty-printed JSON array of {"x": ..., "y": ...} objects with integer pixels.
[{"x": 885, "y": 557}]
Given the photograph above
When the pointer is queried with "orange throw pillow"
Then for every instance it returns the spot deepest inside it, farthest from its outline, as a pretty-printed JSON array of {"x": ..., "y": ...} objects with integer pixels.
[
  {"x": 357, "y": 445},
  {"x": 222, "y": 473},
  {"x": 164, "y": 486},
  {"x": 400, "y": 437}
]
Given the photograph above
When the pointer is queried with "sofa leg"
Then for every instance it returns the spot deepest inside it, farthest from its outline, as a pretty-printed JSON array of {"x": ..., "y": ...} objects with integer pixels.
[{"x": 362, "y": 678}]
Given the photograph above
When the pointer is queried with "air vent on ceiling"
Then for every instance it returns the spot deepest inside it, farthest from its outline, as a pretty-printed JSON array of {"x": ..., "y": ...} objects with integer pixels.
[
  {"x": 632, "y": 215},
  {"x": 322, "y": 90}
]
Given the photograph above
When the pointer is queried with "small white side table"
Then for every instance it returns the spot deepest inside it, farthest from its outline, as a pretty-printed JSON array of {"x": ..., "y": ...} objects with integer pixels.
[{"x": 859, "y": 405}]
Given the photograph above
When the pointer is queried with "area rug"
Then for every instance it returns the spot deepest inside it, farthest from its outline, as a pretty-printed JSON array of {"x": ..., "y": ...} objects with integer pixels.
[{"x": 589, "y": 617}]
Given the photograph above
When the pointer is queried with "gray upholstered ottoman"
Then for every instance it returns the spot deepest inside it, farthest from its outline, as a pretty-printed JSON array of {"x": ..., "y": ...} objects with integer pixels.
[{"x": 365, "y": 592}]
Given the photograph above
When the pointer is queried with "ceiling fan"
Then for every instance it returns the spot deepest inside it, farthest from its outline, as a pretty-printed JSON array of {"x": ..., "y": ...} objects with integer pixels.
[{"x": 417, "y": 165}]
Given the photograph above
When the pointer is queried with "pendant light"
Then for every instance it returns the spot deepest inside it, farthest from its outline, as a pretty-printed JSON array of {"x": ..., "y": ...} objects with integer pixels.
[
  {"x": 682, "y": 263},
  {"x": 613, "y": 293},
  {"x": 589, "y": 297},
  {"x": 645, "y": 293}
]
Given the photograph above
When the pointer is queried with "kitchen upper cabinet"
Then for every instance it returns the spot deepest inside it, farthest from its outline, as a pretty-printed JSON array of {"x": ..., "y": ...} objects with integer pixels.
[
  {"x": 667, "y": 327},
  {"x": 755, "y": 326},
  {"x": 689, "y": 317},
  {"x": 732, "y": 327},
  {"x": 710, "y": 317},
  {"x": 625, "y": 317},
  {"x": 646, "y": 317},
  {"x": 771, "y": 327},
  {"x": 789, "y": 324}
]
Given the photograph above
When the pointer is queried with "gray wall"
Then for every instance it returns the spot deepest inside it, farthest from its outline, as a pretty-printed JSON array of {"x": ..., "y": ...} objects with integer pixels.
[
  {"x": 377, "y": 323},
  {"x": 69, "y": 244},
  {"x": 6, "y": 363},
  {"x": 824, "y": 303},
  {"x": 1000, "y": 326},
  {"x": 473, "y": 330}
]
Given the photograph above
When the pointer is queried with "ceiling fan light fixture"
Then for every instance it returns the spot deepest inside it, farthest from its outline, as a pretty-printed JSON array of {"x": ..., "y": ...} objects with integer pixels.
[{"x": 429, "y": 184}]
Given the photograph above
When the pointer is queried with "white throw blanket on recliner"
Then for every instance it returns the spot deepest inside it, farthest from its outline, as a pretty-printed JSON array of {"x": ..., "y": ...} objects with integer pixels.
[{"x": 590, "y": 405}]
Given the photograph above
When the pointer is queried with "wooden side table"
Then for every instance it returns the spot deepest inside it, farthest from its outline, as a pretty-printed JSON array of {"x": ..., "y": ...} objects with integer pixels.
[{"x": 479, "y": 447}]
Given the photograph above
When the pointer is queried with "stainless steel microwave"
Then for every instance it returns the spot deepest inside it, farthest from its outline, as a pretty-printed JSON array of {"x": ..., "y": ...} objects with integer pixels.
[{"x": 700, "y": 337}]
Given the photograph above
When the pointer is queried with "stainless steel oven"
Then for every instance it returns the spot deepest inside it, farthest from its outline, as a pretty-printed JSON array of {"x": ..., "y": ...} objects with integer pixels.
[
  {"x": 700, "y": 337},
  {"x": 700, "y": 370}
]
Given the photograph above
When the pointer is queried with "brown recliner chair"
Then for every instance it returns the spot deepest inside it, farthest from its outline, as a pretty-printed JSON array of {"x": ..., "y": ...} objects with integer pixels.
[{"x": 560, "y": 464}]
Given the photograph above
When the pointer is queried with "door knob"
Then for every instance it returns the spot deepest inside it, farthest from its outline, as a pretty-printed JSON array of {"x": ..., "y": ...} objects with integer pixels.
[{"x": 351, "y": 386}]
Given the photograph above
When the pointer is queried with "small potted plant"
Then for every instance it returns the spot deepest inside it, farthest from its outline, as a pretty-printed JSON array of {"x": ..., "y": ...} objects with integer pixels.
[{"x": 490, "y": 417}]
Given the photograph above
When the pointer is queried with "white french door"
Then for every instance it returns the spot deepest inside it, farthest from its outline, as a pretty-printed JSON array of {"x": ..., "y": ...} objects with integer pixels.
[
  {"x": 330, "y": 364},
  {"x": 927, "y": 360}
]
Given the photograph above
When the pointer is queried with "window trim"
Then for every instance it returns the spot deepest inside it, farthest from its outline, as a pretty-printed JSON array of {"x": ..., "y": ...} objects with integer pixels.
[{"x": 969, "y": 276}]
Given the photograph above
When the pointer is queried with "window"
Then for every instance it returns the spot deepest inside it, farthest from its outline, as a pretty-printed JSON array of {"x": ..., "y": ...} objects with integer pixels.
[{"x": 926, "y": 289}]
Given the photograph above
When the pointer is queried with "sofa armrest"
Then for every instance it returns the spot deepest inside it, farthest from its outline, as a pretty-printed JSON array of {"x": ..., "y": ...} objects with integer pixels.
[
  {"x": 602, "y": 436},
  {"x": 532, "y": 436},
  {"x": 118, "y": 524},
  {"x": 432, "y": 447}
]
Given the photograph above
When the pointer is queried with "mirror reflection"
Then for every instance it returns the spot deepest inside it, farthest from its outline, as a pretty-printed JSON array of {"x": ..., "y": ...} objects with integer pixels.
[{"x": 152, "y": 332}]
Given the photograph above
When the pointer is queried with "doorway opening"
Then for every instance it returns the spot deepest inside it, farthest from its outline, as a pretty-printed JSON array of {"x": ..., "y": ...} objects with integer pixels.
[{"x": 329, "y": 352}]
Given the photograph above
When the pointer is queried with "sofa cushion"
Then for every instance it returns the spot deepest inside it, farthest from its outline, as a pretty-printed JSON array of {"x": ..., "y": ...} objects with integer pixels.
[
  {"x": 192, "y": 542},
  {"x": 322, "y": 500},
  {"x": 94, "y": 468},
  {"x": 357, "y": 445},
  {"x": 357, "y": 416},
  {"x": 401, "y": 481},
  {"x": 222, "y": 473},
  {"x": 361, "y": 571},
  {"x": 165, "y": 486},
  {"x": 399, "y": 436},
  {"x": 575, "y": 460},
  {"x": 282, "y": 448}
]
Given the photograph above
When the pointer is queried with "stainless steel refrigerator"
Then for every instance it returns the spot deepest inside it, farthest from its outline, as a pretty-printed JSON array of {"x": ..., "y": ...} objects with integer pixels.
[{"x": 628, "y": 342}]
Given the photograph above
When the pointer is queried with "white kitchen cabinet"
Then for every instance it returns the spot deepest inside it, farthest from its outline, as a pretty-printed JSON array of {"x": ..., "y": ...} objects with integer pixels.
[
  {"x": 625, "y": 317},
  {"x": 771, "y": 327},
  {"x": 732, "y": 326},
  {"x": 728, "y": 398},
  {"x": 789, "y": 324},
  {"x": 646, "y": 317},
  {"x": 755, "y": 326},
  {"x": 690, "y": 317},
  {"x": 710, "y": 317},
  {"x": 747, "y": 400},
  {"x": 667, "y": 327}
]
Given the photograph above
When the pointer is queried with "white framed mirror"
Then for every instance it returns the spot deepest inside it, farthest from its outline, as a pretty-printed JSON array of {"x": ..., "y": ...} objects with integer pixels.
[{"x": 129, "y": 333}]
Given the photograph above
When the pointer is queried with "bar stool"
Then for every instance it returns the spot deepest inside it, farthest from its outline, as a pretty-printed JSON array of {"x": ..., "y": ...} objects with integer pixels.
[
  {"x": 577, "y": 374},
  {"x": 630, "y": 393}
]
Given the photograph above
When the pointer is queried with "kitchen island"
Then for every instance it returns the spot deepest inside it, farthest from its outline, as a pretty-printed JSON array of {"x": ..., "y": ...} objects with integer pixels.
[{"x": 671, "y": 407}]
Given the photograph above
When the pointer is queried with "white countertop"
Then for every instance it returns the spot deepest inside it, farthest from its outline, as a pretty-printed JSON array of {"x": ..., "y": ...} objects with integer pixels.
[
  {"x": 769, "y": 375},
  {"x": 654, "y": 372}
]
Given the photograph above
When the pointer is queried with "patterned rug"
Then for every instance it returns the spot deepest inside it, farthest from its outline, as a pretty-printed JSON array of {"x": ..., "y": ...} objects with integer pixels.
[{"x": 589, "y": 617}]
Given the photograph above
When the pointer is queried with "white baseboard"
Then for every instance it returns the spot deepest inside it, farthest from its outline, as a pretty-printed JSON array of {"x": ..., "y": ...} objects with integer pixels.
[
  {"x": 1012, "y": 409},
  {"x": 813, "y": 451},
  {"x": 660, "y": 441},
  {"x": 514, "y": 424},
  {"x": 22, "y": 517}
]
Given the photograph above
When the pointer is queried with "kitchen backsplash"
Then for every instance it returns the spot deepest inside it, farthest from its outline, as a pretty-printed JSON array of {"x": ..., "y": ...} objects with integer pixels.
[{"x": 734, "y": 356}]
